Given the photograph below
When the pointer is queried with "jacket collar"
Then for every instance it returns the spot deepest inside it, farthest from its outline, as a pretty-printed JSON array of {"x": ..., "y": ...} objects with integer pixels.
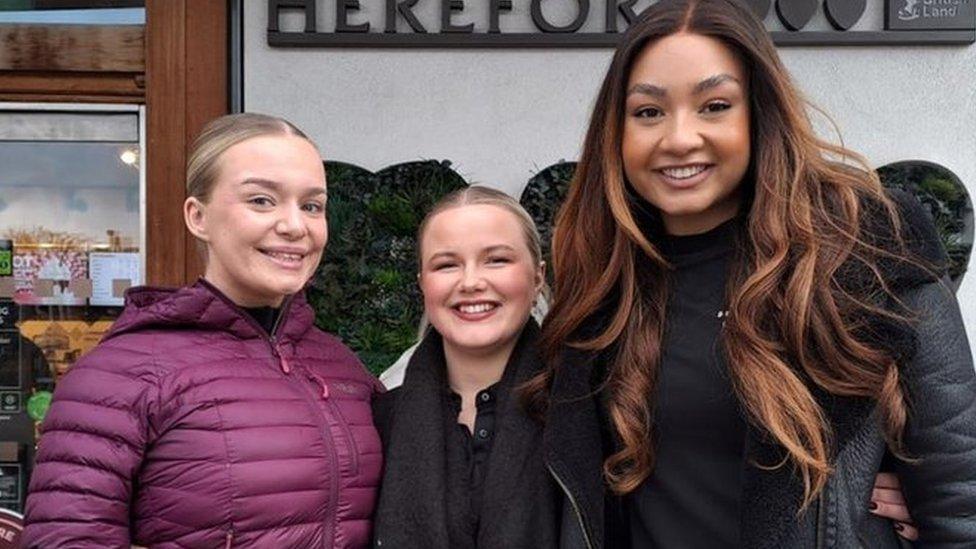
[{"x": 203, "y": 306}]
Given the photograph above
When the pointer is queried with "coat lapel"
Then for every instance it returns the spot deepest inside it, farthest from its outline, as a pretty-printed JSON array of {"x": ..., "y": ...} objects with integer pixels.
[
  {"x": 573, "y": 441},
  {"x": 518, "y": 505},
  {"x": 412, "y": 510}
]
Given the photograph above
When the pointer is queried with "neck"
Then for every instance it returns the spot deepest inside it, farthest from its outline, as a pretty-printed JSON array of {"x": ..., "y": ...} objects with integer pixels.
[
  {"x": 687, "y": 225},
  {"x": 240, "y": 297},
  {"x": 471, "y": 371}
]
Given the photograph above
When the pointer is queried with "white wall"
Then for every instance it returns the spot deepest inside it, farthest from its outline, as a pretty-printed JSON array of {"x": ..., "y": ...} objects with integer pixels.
[{"x": 502, "y": 115}]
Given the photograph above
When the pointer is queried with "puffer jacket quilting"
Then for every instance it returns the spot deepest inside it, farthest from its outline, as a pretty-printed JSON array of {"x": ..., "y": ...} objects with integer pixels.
[{"x": 188, "y": 426}]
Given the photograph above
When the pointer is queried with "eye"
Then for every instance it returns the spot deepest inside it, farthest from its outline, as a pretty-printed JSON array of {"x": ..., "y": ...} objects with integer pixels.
[
  {"x": 443, "y": 266},
  {"x": 714, "y": 107},
  {"x": 499, "y": 260},
  {"x": 314, "y": 207},
  {"x": 262, "y": 201},
  {"x": 648, "y": 112}
]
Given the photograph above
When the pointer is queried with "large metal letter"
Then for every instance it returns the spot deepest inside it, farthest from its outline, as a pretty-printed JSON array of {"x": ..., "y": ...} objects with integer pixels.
[
  {"x": 545, "y": 26},
  {"x": 274, "y": 6},
  {"x": 494, "y": 7},
  {"x": 343, "y": 7},
  {"x": 404, "y": 7},
  {"x": 447, "y": 8},
  {"x": 625, "y": 7}
]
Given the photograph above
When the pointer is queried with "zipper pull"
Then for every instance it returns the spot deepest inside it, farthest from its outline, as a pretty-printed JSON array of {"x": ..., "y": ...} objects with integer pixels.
[
  {"x": 230, "y": 539},
  {"x": 282, "y": 361},
  {"x": 321, "y": 383}
]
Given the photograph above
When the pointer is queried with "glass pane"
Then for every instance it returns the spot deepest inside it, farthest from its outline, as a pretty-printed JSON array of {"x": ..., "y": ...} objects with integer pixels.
[
  {"x": 73, "y": 12},
  {"x": 70, "y": 241}
]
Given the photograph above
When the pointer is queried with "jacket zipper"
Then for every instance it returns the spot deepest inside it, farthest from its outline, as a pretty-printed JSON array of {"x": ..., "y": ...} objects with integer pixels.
[
  {"x": 346, "y": 431},
  {"x": 324, "y": 431},
  {"x": 230, "y": 539},
  {"x": 572, "y": 501}
]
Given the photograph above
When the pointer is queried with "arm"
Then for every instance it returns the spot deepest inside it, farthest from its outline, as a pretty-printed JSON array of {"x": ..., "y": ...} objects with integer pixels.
[
  {"x": 940, "y": 486},
  {"x": 92, "y": 445}
]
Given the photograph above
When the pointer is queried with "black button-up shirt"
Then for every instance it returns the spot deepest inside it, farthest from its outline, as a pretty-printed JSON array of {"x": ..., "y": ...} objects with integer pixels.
[{"x": 468, "y": 451}]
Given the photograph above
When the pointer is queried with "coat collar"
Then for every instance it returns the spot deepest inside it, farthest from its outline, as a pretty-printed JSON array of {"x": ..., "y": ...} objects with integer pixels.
[{"x": 203, "y": 306}]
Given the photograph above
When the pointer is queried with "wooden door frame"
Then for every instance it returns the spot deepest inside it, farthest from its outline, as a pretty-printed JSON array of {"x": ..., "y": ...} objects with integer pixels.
[{"x": 186, "y": 87}]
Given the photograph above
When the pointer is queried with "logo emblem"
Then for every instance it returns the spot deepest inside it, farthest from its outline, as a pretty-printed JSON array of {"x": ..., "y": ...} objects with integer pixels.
[{"x": 910, "y": 11}]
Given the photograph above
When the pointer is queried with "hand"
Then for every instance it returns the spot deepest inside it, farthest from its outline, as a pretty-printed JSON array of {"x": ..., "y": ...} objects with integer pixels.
[{"x": 888, "y": 501}]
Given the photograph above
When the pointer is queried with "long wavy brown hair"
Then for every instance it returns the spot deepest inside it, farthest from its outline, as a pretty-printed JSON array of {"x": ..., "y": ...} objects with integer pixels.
[{"x": 796, "y": 318}]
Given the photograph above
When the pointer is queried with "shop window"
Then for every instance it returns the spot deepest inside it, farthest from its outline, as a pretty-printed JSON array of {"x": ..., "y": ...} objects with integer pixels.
[
  {"x": 73, "y": 12},
  {"x": 71, "y": 224},
  {"x": 945, "y": 197}
]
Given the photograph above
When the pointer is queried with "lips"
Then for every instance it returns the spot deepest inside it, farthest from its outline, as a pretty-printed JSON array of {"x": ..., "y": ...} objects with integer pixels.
[
  {"x": 685, "y": 176},
  {"x": 684, "y": 172},
  {"x": 475, "y": 310},
  {"x": 285, "y": 258}
]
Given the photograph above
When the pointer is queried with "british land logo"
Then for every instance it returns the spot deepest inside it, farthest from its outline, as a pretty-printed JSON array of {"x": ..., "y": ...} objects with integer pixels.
[
  {"x": 910, "y": 12},
  {"x": 930, "y": 14}
]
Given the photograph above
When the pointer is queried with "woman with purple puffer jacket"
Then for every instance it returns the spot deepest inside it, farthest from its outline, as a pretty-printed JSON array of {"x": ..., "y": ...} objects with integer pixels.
[{"x": 217, "y": 415}]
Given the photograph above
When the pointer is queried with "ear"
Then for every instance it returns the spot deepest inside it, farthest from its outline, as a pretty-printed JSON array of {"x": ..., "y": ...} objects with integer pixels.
[
  {"x": 540, "y": 277},
  {"x": 195, "y": 217}
]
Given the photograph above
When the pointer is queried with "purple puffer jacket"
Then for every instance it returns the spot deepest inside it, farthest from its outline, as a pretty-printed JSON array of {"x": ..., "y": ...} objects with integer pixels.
[{"x": 190, "y": 426}]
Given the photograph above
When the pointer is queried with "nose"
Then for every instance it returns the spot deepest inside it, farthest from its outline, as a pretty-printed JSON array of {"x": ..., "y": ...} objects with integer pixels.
[
  {"x": 682, "y": 134},
  {"x": 472, "y": 280},
  {"x": 291, "y": 222}
]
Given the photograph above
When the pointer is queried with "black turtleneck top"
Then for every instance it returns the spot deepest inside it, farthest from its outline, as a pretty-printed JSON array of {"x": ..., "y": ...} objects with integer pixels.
[{"x": 692, "y": 498}]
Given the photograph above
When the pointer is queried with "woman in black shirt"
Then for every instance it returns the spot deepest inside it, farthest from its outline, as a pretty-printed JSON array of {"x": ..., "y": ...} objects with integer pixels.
[
  {"x": 463, "y": 463},
  {"x": 745, "y": 327}
]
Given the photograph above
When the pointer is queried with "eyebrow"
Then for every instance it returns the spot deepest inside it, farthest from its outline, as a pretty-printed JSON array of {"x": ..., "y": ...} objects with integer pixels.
[
  {"x": 488, "y": 250},
  {"x": 704, "y": 85},
  {"x": 499, "y": 247},
  {"x": 713, "y": 82},
  {"x": 275, "y": 186}
]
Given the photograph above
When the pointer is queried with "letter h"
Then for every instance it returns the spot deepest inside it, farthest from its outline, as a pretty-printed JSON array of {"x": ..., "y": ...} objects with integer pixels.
[{"x": 274, "y": 6}]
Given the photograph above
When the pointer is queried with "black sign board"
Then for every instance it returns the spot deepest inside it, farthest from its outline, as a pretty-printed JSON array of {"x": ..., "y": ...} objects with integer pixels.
[
  {"x": 10, "y": 484},
  {"x": 10, "y": 359},
  {"x": 397, "y": 23},
  {"x": 9, "y": 313},
  {"x": 930, "y": 14}
]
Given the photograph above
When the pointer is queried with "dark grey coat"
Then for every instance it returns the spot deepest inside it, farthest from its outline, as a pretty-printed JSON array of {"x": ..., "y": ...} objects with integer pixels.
[{"x": 937, "y": 371}]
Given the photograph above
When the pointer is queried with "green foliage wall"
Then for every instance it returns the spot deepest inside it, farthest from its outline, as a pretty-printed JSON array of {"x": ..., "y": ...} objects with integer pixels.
[{"x": 365, "y": 290}]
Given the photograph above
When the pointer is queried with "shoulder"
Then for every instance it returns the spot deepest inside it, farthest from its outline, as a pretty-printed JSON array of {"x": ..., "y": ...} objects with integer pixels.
[
  {"x": 125, "y": 357},
  {"x": 911, "y": 251}
]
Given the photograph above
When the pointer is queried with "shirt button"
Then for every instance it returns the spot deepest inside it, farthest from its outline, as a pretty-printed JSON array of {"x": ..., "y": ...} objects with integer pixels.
[
  {"x": 485, "y": 397},
  {"x": 483, "y": 433}
]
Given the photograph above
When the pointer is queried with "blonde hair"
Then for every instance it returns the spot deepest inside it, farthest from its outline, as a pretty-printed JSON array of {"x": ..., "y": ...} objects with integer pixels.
[
  {"x": 221, "y": 134},
  {"x": 477, "y": 195}
]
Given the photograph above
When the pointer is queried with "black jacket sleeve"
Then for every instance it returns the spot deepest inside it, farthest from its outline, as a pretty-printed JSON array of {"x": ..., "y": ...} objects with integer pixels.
[{"x": 940, "y": 485}]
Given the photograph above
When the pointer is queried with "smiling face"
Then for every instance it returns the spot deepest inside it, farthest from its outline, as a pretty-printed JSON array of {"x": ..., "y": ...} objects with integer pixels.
[
  {"x": 478, "y": 278},
  {"x": 264, "y": 222},
  {"x": 685, "y": 143}
]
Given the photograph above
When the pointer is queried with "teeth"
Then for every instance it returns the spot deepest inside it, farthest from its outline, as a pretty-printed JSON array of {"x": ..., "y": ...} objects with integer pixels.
[
  {"x": 684, "y": 172},
  {"x": 285, "y": 256},
  {"x": 476, "y": 308}
]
